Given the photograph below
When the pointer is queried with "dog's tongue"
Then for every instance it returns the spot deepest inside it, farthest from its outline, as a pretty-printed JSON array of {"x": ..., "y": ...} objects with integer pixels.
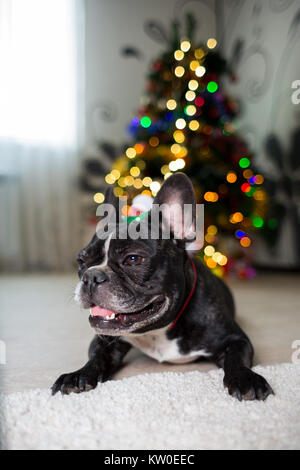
[{"x": 97, "y": 311}]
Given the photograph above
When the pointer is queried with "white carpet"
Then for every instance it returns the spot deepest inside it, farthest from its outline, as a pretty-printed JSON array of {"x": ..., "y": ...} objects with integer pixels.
[{"x": 157, "y": 411}]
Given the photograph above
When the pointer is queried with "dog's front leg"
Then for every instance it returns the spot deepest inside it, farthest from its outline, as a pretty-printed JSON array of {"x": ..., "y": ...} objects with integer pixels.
[
  {"x": 239, "y": 379},
  {"x": 105, "y": 357}
]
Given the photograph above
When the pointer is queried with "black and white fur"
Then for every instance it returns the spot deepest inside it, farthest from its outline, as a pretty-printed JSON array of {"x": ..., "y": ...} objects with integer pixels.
[{"x": 146, "y": 282}]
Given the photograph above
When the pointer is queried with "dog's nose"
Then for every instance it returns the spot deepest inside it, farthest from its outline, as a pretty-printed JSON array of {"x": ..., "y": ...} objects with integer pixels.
[
  {"x": 99, "y": 277},
  {"x": 92, "y": 278}
]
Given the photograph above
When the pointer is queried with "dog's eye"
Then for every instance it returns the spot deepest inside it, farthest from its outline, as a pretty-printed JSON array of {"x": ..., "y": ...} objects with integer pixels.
[
  {"x": 134, "y": 260},
  {"x": 81, "y": 262}
]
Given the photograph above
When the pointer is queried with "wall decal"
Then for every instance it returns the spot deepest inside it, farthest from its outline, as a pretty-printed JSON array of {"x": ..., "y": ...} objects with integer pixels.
[
  {"x": 256, "y": 87},
  {"x": 131, "y": 52},
  {"x": 156, "y": 31}
]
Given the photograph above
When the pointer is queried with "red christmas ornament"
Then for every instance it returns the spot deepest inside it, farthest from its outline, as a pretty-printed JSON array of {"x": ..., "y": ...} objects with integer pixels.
[
  {"x": 157, "y": 65},
  {"x": 199, "y": 101}
]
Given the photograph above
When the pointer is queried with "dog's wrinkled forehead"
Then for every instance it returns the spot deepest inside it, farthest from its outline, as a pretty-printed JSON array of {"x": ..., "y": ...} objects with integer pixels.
[{"x": 98, "y": 251}]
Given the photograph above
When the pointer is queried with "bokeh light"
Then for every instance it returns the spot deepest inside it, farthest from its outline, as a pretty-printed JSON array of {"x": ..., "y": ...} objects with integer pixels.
[
  {"x": 179, "y": 71},
  {"x": 190, "y": 95},
  {"x": 194, "y": 64},
  {"x": 185, "y": 45},
  {"x": 212, "y": 87},
  {"x": 155, "y": 186},
  {"x": 231, "y": 177},
  {"x": 244, "y": 162},
  {"x": 209, "y": 250},
  {"x": 175, "y": 148},
  {"x": 138, "y": 183},
  {"x": 179, "y": 55},
  {"x": 190, "y": 110},
  {"x": 210, "y": 196},
  {"x": 135, "y": 171},
  {"x": 247, "y": 174},
  {"x": 257, "y": 222},
  {"x": 180, "y": 123},
  {"x": 211, "y": 43},
  {"x": 194, "y": 125},
  {"x": 199, "y": 53},
  {"x": 145, "y": 122},
  {"x": 199, "y": 101},
  {"x": 139, "y": 148},
  {"x": 154, "y": 141},
  {"x": 259, "y": 179},
  {"x": 236, "y": 218},
  {"x": 171, "y": 104},
  {"x": 131, "y": 152},
  {"x": 193, "y": 85},
  {"x": 147, "y": 181},
  {"x": 99, "y": 198},
  {"x": 245, "y": 242},
  {"x": 212, "y": 230},
  {"x": 179, "y": 137},
  {"x": 110, "y": 179},
  {"x": 116, "y": 174},
  {"x": 246, "y": 187},
  {"x": 200, "y": 71}
]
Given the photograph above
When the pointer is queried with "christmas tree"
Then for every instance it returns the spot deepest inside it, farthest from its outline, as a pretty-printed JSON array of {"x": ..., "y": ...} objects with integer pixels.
[{"x": 186, "y": 123}]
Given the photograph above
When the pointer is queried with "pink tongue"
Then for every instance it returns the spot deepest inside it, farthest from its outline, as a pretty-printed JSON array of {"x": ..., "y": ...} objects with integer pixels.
[{"x": 97, "y": 311}]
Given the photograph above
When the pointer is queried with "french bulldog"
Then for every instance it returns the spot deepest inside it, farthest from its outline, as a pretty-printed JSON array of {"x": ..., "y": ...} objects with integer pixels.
[{"x": 151, "y": 294}]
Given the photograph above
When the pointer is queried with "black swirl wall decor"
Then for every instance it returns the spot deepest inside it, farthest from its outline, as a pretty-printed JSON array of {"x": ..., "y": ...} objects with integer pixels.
[
  {"x": 181, "y": 4},
  {"x": 129, "y": 52},
  {"x": 181, "y": 7},
  {"x": 156, "y": 31},
  {"x": 250, "y": 133},
  {"x": 256, "y": 87},
  {"x": 102, "y": 111},
  {"x": 237, "y": 53},
  {"x": 106, "y": 110},
  {"x": 235, "y": 7}
]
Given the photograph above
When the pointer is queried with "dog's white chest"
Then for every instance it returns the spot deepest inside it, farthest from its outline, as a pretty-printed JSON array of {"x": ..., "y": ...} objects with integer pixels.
[{"x": 156, "y": 345}]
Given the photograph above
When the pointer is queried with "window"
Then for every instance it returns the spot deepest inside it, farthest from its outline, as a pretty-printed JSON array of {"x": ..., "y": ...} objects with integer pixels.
[{"x": 38, "y": 71}]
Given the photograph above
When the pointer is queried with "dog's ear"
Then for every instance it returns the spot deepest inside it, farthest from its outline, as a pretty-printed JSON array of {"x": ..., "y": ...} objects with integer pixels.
[
  {"x": 177, "y": 203},
  {"x": 114, "y": 204},
  {"x": 109, "y": 213},
  {"x": 110, "y": 198}
]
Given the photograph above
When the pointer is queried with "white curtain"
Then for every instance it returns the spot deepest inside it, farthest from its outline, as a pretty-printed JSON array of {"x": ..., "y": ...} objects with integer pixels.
[{"x": 41, "y": 131}]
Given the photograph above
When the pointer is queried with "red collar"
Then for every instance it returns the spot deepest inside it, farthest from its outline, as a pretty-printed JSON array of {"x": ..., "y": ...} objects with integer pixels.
[{"x": 189, "y": 296}]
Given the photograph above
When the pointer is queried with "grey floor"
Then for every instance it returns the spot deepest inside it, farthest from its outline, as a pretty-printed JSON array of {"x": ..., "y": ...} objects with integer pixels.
[{"x": 47, "y": 334}]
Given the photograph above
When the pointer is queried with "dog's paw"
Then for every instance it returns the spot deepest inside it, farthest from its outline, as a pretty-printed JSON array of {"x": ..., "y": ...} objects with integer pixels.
[
  {"x": 80, "y": 381},
  {"x": 245, "y": 384}
]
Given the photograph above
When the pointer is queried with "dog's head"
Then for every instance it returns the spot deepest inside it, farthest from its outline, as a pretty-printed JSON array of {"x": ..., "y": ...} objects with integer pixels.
[{"x": 137, "y": 285}]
